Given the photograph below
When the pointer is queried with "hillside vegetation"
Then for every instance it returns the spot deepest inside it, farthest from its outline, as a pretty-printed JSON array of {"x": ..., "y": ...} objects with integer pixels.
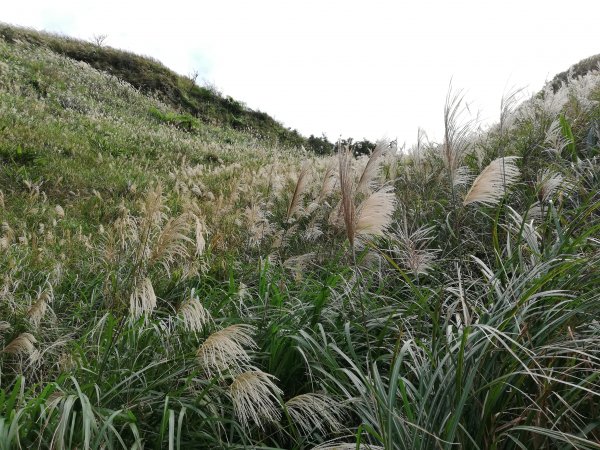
[{"x": 168, "y": 281}]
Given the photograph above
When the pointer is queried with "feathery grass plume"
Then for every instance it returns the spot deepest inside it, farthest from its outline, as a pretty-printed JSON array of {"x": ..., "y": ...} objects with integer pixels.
[
  {"x": 489, "y": 187},
  {"x": 548, "y": 183},
  {"x": 297, "y": 264},
  {"x": 9, "y": 233},
  {"x": 462, "y": 176},
  {"x": 296, "y": 201},
  {"x": 374, "y": 214},
  {"x": 315, "y": 412},
  {"x": 143, "y": 299},
  {"x": 172, "y": 242},
  {"x": 152, "y": 209},
  {"x": 2, "y": 199},
  {"x": 4, "y": 326},
  {"x": 329, "y": 180},
  {"x": 554, "y": 140},
  {"x": 508, "y": 103},
  {"x": 22, "y": 344},
  {"x": 347, "y": 188},
  {"x": 255, "y": 398},
  {"x": 38, "y": 309},
  {"x": 412, "y": 251},
  {"x": 527, "y": 230},
  {"x": 456, "y": 134},
  {"x": 193, "y": 314},
  {"x": 200, "y": 240},
  {"x": 371, "y": 170},
  {"x": 224, "y": 350},
  {"x": 60, "y": 212}
]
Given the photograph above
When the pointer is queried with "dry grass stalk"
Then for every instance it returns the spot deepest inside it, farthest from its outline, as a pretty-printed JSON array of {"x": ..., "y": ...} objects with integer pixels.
[
  {"x": 296, "y": 201},
  {"x": 255, "y": 398},
  {"x": 224, "y": 350},
  {"x": 143, "y": 299},
  {"x": 313, "y": 412},
  {"x": 489, "y": 187},
  {"x": 347, "y": 188}
]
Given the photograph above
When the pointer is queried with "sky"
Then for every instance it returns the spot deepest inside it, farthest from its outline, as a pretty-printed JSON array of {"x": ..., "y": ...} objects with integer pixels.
[{"x": 362, "y": 69}]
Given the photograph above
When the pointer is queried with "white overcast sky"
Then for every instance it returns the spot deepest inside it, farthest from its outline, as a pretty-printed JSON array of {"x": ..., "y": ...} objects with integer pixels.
[{"x": 351, "y": 68}]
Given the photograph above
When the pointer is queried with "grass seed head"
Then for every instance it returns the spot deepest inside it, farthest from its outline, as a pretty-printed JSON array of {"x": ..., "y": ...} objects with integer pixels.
[
  {"x": 255, "y": 398},
  {"x": 224, "y": 350},
  {"x": 22, "y": 344},
  {"x": 315, "y": 412},
  {"x": 490, "y": 186},
  {"x": 143, "y": 299}
]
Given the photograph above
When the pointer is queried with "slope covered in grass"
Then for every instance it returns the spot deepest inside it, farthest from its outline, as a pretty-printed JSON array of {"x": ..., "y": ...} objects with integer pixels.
[
  {"x": 167, "y": 283},
  {"x": 151, "y": 77}
]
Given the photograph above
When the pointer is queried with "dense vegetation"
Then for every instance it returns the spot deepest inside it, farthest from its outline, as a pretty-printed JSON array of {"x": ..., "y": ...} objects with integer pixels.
[{"x": 170, "y": 283}]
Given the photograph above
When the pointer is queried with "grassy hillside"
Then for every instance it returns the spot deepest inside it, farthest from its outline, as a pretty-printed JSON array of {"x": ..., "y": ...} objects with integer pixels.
[
  {"x": 166, "y": 282},
  {"x": 151, "y": 77}
]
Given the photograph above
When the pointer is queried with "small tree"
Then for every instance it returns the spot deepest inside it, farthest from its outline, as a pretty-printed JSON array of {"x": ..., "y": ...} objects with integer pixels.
[{"x": 99, "y": 39}]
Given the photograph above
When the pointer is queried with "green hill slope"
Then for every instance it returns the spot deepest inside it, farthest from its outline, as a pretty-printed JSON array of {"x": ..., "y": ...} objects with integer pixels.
[{"x": 151, "y": 77}]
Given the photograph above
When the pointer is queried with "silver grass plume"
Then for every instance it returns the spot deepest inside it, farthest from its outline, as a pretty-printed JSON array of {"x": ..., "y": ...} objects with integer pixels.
[
  {"x": 412, "y": 251},
  {"x": 22, "y": 344},
  {"x": 462, "y": 176},
  {"x": 371, "y": 170},
  {"x": 4, "y": 326},
  {"x": 296, "y": 201},
  {"x": 255, "y": 398},
  {"x": 224, "y": 350},
  {"x": 554, "y": 139},
  {"x": 152, "y": 207},
  {"x": 455, "y": 134},
  {"x": 315, "y": 412},
  {"x": 548, "y": 183},
  {"x": 60, "y": 212},
  {"x": 297, "y": 264},
  {"x": 193, "y": 315},
  {"x": 374, "y": 214},
  {"x": 172, "y": 242},
  {"x": 200, "y": 240},
  {"x": 143, "y": 299},
  {"x": 508, "y": 104},
  {"x": 38, "y": 309},
  {"x": 490, "y": 186},
  {"x": 329, "y": 181}
]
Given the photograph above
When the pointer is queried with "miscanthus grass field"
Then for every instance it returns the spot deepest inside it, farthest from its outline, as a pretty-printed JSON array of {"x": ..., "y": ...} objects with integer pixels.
[{"x": 173, "y": 283}]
